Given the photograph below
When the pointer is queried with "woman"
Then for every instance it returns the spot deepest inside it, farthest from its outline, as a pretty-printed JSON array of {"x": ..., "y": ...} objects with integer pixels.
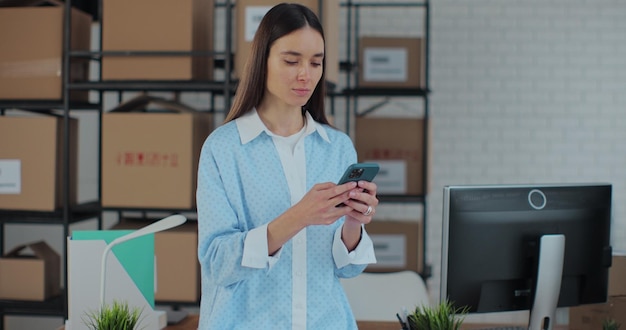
[{"x": 272, "y": 241}]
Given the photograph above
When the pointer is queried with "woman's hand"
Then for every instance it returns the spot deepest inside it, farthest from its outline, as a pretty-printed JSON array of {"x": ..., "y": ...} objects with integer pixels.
[
  {"x": 317, "y": 207},
  {"x": 363, "y": 203}
]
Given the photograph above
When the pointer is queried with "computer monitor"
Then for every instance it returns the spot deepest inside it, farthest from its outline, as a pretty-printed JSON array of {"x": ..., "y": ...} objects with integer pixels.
[{"x": 526, "y": 247}]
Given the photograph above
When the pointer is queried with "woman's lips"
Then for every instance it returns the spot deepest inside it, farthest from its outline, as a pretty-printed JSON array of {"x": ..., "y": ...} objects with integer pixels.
[{"x": 302, "y": 91}]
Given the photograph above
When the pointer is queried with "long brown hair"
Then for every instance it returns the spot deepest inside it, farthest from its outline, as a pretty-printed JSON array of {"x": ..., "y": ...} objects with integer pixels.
[{"x": 279, "y": 21}]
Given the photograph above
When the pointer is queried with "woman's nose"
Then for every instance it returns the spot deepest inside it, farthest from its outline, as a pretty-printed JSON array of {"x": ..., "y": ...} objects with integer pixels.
[{"x": 304, "y": 73}]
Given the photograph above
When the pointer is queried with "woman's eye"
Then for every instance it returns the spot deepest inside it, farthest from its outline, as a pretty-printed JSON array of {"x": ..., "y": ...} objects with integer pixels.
[
  {"x": 291, "y": 62},
  {"x": 316, "y": 64}
]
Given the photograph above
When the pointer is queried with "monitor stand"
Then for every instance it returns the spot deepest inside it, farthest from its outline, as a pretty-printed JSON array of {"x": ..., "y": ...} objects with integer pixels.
[{"x": 549, "y": 274}]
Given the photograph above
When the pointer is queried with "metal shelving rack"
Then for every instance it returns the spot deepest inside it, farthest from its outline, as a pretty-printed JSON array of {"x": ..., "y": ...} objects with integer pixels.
[
  {"x": 66, "y": 215},
  {"x": 57, "y": 306},
  {"x": 352, "y": 93}
]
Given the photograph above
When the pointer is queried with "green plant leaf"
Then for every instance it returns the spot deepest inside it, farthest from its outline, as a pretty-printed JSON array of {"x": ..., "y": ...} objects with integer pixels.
[
  {"x": 610, "y": 324},
  {"x": 116, "y": 316},
  {"x": 441, "y": 317}
]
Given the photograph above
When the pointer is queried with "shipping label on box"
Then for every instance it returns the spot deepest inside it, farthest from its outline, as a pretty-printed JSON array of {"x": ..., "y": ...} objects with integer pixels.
[
  {"x": 10, "y": 176},
  {"x": 391, "y": 62},
  {"x": 397, "y": 245},
  {"x": 391, "y": 178},
  {"x": 390, "y": 250},
  {"x": 385, "y": 64},
  {"x": 254, "y": 15}
]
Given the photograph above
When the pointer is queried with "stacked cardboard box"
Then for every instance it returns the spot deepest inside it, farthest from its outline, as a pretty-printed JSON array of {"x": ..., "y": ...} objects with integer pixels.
[
  {"x": 157, "y": 25},
  {"x": 30, "y": 276},
  {"x": 391, "y": 62},
  {"x": 250, "y": 12},
  {"x": 149, "y": 159},
  {"x": 397, "y": 145},
  {"x": 31, "y": 162},
  {"x": 397, "y": 245},
  {"x": 593, "y": 316},
  {"x": 33, "y": 69}
]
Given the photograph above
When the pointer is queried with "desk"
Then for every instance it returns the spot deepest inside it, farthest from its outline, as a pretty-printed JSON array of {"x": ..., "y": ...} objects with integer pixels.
[
  {"x": 191, "y": 323},
  {"x": 188, "y": 323}
]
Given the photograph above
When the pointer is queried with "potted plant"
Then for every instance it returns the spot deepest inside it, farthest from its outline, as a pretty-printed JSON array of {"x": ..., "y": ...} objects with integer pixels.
[
  {"x": 610, "y": 324},
  {"x": 116, "y": 316},
  {"x": 444, "y": 316}
]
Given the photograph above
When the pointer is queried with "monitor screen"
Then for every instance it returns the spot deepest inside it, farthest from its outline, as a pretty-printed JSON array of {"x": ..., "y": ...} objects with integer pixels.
[{"x": 491, "y": 244}]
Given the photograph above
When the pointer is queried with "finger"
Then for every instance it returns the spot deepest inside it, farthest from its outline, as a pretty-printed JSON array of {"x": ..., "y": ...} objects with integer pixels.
[
  {"x": 343, "y": 188},
  {"x": 368, "y": 187},
  {"x": 324, "y": 186},
  {"x": 363, "y": 197},
  {"x": 341, "y": 199}
]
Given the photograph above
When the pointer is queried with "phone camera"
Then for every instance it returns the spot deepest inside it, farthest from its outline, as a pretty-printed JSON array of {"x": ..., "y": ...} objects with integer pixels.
[{"x": 356, "y": 173}]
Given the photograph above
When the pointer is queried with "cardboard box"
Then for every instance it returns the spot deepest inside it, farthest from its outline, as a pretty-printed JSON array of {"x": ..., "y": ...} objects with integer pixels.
[
  {"x": 397, "y": 245},
  {"x": 31, "y": 56},
  {"x": 33, "y": 276},
  {"x": 617, "y": 275},
  {"x": 31, "y": 162},
  {"x": 177, "y": 266},
  {"x": 391, "y": 62},
  {"x": 150, "y": 159},
  {"x": 157, "y": 25},
  {"x": 592, "y": 316},
  {"x": 397, "y": 145},
  {"x": 250, "y": 12}
]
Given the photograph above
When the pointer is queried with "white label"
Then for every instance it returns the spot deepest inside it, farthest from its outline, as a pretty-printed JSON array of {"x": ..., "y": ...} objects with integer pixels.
[
  {"x": 390, "y": 250},
  {"x": 10, "y": 176},
  {"x": 254, "y": 15},
  {"x": 385, "y": 64},
  {"x": 391, "y": 178}
]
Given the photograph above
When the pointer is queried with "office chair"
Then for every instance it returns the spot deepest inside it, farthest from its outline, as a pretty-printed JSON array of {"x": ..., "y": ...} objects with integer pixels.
[{"x": 379, "y": 296}]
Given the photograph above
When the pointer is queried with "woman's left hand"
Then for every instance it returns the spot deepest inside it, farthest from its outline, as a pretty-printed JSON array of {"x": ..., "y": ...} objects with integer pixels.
[{"x": 363, "y": 202}]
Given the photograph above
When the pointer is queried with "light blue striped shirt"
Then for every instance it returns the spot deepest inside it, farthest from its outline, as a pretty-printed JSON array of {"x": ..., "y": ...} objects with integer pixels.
[{"x": 242, "y": 186}]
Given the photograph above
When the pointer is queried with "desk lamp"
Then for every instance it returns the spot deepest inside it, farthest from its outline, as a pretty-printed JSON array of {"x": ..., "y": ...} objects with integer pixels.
[{"x": 163, "y": 224}]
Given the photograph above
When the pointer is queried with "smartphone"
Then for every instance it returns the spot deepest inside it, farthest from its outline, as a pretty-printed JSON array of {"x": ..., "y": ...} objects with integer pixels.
[{"x": 359, "y": 171}]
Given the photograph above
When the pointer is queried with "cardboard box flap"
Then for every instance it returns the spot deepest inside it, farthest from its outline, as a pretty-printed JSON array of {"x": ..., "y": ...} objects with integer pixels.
[
  {"x": 40, "y": 249},
  {"x": 139, "y": 104}
]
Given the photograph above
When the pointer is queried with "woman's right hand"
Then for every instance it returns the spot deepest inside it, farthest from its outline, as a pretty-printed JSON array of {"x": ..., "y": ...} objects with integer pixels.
[{"x": 319, "y": 205}]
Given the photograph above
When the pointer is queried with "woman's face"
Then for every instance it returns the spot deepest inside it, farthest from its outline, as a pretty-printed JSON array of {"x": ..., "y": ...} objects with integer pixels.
[{"x": 294, "y": 67}]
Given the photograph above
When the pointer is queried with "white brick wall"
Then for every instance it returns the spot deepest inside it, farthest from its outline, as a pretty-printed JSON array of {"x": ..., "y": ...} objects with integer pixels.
[{"x": 527, "y": 92}]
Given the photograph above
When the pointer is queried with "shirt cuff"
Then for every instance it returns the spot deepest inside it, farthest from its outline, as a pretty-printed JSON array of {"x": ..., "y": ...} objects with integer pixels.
[
  {"x": 255, "y": 254},
  {"x": 362, "y": 254}
]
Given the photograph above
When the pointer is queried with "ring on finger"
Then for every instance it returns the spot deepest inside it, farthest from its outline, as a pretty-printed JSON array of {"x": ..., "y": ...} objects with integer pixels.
[{"x": 368, "y": 211}]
